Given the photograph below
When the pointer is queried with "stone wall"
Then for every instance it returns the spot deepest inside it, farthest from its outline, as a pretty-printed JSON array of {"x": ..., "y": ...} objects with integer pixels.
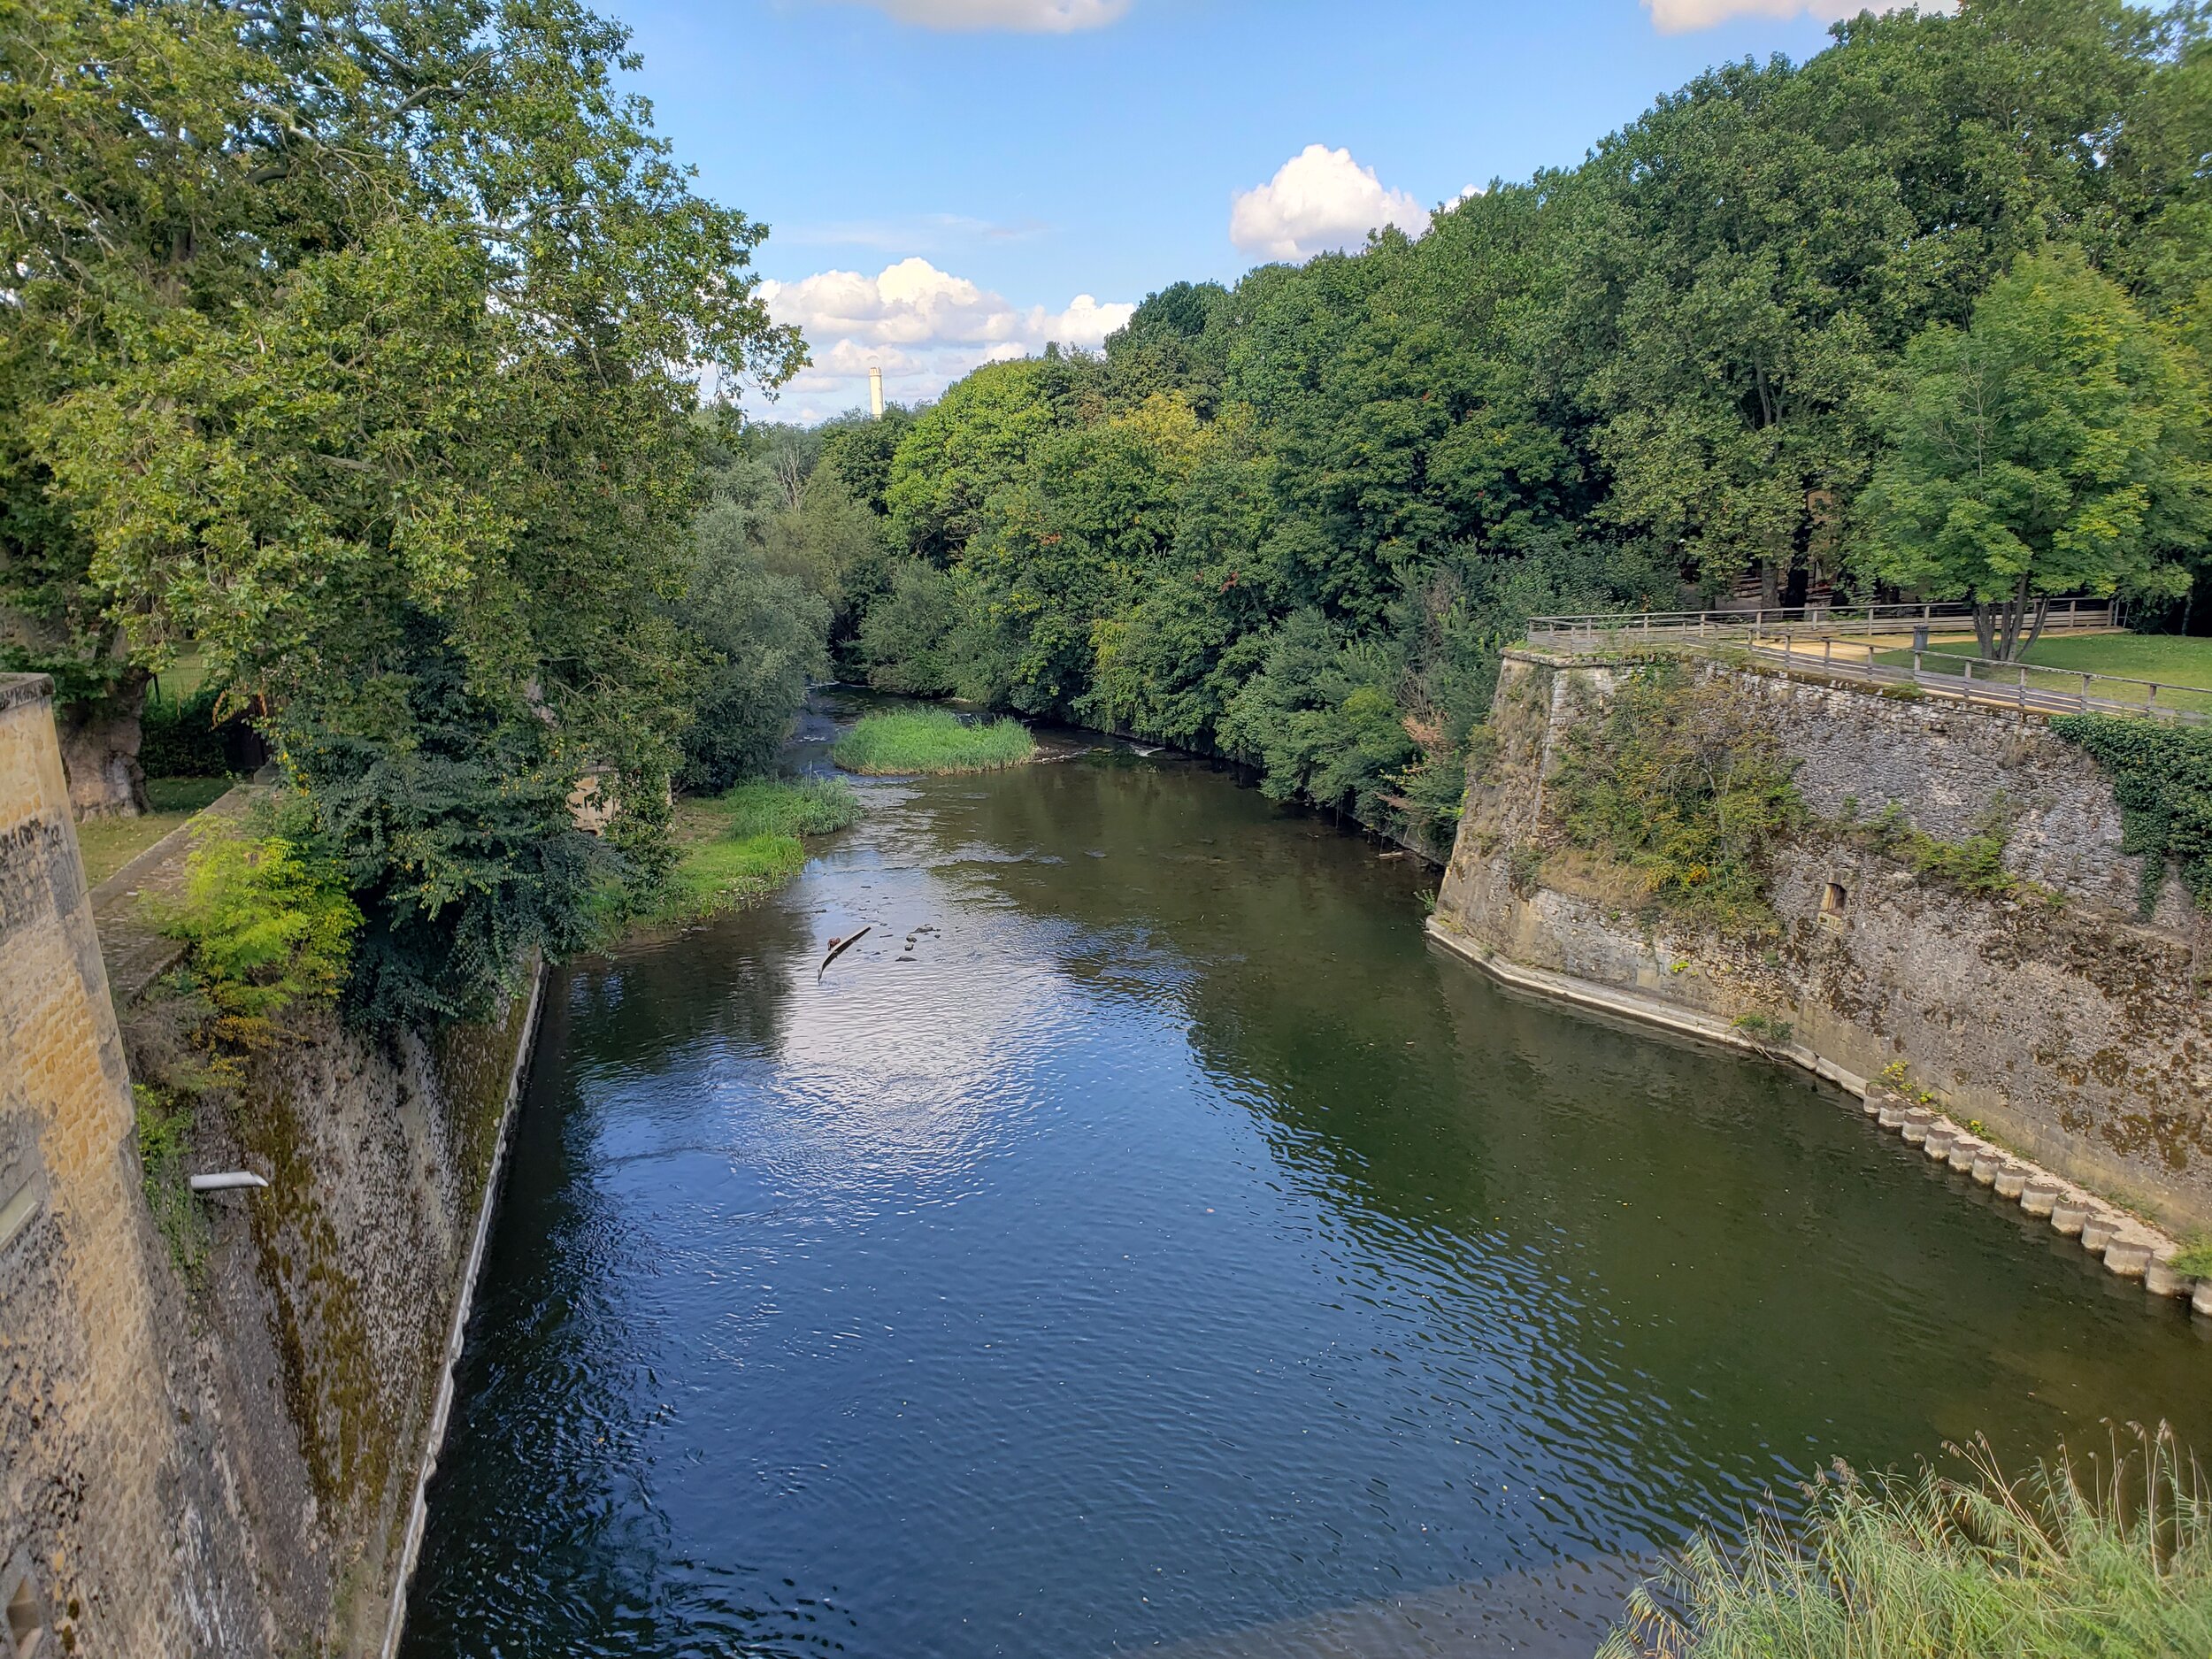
[
  {"x": 224, "y": 1462},
  {"x": 2074, "y": 1029}
]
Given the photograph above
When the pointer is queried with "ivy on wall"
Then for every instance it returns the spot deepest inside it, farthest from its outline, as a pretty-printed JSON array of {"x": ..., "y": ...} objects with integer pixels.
[{"x": 2162, "y": 776}]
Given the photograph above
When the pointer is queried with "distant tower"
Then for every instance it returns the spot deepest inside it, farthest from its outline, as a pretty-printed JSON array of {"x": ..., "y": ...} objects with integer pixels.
[{"x": 875, "y": 391}]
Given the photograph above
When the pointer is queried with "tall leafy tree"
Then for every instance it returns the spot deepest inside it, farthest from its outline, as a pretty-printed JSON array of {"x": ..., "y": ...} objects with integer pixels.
[
  {"x": 368, "y": 340},
  {"x": 2056, "y": 445}
]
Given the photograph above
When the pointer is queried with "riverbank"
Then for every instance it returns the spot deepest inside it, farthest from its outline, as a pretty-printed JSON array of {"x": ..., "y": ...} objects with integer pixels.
[
  {"x": 2032, "y": 1002},
  {"x": 735, "y": 848}
]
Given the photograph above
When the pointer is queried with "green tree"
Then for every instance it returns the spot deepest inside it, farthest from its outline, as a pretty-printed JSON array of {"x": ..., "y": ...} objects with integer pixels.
[
  {"x": 2054, "y": 446},
  {"x": 970, "y": 445},
  {"x": 764, "y": 633},
  {"x": 365, "y": 345}
]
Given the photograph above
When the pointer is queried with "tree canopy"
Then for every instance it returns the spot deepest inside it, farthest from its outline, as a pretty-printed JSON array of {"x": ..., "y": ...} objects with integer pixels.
[
  {"x": 355, "y": 348},
  {"x": 1292, "y": 521}
]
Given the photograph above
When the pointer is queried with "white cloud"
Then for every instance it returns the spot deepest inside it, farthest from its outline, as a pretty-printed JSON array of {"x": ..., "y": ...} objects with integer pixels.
[
  {"x": 1320, "y": 199},
  {"x": 1024, "y": 17},
  {"x": 923, "y": 328},
  {"x": 1681, "y": 17}
]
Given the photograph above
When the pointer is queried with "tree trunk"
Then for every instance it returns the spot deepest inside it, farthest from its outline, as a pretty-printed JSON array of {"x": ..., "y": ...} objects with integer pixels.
[
  {"x": 99, "y": 751},
  {"x": 2010, "y": 626}
]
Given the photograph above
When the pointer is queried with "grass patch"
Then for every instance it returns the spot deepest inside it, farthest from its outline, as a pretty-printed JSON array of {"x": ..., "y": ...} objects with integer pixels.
[
  {"x": 106, "y": 844},
  {"x": 931, "y": 740},
  {"x": 2109, "y": 1556},
  {"x": 735, "y": 848},
  {"x": 2195, "y": 1259},
  {"x": 2181, "y": 667}
]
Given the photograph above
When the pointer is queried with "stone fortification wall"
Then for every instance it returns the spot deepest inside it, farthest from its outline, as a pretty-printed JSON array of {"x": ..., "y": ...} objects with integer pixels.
[
  {"x": 221, "y": 1462},
  {"x": 2076, "y": 1030}
]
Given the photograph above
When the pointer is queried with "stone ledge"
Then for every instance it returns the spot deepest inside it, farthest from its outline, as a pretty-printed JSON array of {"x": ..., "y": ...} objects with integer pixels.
[
  {"x": 2131, "y": 1246},
  {"x": 17, "y": 689},
  {"x": 1649, "y": 1010}
]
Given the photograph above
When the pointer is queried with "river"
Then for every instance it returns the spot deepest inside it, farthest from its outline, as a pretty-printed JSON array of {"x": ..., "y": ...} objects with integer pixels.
[{"x": 1144, "y": 1241}]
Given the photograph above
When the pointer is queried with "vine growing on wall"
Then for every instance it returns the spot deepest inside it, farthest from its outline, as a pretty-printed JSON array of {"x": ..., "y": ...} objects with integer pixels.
[{"x": 2162, "y": 776}]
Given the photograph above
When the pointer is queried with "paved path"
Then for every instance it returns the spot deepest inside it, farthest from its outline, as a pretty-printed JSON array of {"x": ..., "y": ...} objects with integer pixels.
[{"x": 136, "y": 952}]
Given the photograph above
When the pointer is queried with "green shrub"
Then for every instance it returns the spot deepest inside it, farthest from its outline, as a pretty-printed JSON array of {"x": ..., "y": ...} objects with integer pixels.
[
  {"x": 268, "y": 922},
  {"x": 2114, "y": 1560},
  {"x": 2195, "y": 1260},
  {"x": 1765, "y": 1030},
  {"x": 181, "y": 738},
  {"x": 1975, "y": 864},
  {"x": 1676, "y": 778},
  {"x": 931, "y": 740}
]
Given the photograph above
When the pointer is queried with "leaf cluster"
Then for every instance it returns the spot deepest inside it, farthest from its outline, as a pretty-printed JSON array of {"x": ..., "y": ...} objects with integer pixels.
[{"x": 2162, "y": 777}]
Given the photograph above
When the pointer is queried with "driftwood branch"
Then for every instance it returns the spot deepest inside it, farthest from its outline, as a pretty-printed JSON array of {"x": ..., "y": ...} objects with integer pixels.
[{"x": 838, "y": 947}]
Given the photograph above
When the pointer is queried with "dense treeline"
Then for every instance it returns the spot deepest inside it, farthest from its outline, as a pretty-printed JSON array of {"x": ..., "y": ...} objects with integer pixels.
[
  {"x": 1742, "y": 349},
  {"x": 352, "y": 351}
]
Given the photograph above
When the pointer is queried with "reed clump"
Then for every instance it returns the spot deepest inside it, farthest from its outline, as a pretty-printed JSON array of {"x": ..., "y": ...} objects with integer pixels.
[
  {"x": 931, "y": 740},
  {"x": 2109, "y": 1556}
]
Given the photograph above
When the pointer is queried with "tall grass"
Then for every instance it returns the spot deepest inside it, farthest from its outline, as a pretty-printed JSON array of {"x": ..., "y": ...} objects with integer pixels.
[
  {"x": 736, "y": 848},
  {"x": 2110, "y": 1557},
  {"x": 933, "y": 741}
]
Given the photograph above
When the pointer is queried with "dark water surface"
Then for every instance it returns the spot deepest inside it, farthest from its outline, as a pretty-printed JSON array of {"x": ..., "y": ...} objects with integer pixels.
[{"x": 1178, "y": 1253}]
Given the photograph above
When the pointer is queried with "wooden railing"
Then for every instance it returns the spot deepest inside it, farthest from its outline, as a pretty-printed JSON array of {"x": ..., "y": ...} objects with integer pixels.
[
  {"x": 1863, "y": 647},
  {"x": 2064, "y": 615}
]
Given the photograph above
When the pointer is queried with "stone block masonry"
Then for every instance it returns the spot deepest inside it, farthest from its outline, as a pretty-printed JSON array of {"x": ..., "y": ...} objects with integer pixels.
[
  {"x": 224, "y": 1466},
  {"x": 2070, "y": 1029},
  {"x": 115, "y": 1519}
]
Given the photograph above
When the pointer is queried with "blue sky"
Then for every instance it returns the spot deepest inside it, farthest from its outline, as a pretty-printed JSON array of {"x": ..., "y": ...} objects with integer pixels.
[{"x": 1027, "y": 169}]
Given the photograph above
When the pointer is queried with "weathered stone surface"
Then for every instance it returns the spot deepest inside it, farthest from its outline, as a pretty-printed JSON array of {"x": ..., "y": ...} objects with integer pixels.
[
  {"x": 219, "y": 1471},
  {"x": 2159, "y": 1277},
  {"x": 115, "y": 1484},
  {"x": 2074, "y": 1030}
]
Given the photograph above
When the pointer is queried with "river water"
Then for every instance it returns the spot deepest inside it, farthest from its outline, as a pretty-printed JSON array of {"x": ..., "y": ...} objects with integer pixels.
[{"x": 1144, "y": 1241}]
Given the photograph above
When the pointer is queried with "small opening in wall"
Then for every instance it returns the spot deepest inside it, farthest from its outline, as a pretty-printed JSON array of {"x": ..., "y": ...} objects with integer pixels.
[
  {"x": 1833, "y": 901},
  {"x": 26, "y": 1621}
]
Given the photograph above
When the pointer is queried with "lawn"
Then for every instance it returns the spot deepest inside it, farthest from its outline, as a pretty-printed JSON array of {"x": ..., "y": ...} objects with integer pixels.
[
  {"x": 2180, "y": 667},
  {"x": 106, "y": 844},
  {"x": 736, "y": 848},
  {"x": 931, "y": 740}
]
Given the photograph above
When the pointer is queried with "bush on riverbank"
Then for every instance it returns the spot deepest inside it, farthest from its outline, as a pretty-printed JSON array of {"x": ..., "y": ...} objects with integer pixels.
[
  {"x": 735, "y": 848},
  {"x": 932, "y": 740},
  {"x": 2112, "y": 1558}
]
